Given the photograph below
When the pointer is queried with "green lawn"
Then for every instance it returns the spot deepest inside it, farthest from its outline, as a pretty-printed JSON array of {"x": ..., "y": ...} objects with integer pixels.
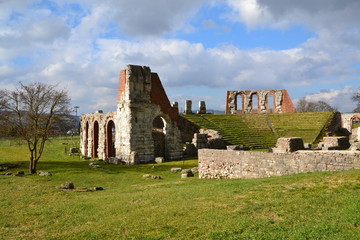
[
  {"x": 260, "y": 131},
  {"x": 303, "y": 206}
]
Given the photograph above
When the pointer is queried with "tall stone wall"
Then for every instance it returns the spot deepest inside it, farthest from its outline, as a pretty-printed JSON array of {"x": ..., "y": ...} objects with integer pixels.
[
  {"x": 245, "y": 164},
  {"x": 281, "y": 102},
  {"x": 141, "y": 99}
]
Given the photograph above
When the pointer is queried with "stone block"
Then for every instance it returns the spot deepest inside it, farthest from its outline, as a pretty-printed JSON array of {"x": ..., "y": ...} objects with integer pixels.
[
  {"x": 202, "y": 108},
  {"x": 44, "y": 174},
  {"x": 94, "y": 165},
  {"x": 335, "y": 143},
  {"x": 159, "y": 159},
  {"x": 175, "y": 169},
  {"x": 355, "y": 146},
  {"x": 185, "y": 173},
  {"x": 233, "y": 147},
  {"x": 67, "y": 185},
  {"x": 188, "y": 105},
  {"x": 290, "y": 144},
  {"x": 74, "y": 150}
]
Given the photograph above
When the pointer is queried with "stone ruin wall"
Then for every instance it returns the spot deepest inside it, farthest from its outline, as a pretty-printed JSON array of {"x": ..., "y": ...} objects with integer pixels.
[
  {"x": 281, "y": 102},
  {"x": 245, "y": 164},
  {"x": 347, "y": 119},
  {"x": 87, "y": 133},
  {"x": 141, "y": 99}
]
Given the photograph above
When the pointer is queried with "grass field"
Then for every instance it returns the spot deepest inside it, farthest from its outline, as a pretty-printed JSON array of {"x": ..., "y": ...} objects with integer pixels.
[{"x": 303, "y": 206}]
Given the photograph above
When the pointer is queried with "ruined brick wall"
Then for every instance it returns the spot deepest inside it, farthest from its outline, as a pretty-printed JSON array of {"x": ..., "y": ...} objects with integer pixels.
[
  {"x": 280, "y": 103},
  {"x": 122, "y": 84},
  {"x": 245, "y": 164},
  {"x": 141, "y": 99},
  {"x": 159, "y": 97}
]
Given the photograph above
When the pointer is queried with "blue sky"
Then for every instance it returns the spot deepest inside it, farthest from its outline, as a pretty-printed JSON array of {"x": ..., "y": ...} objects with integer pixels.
[{"x": 200, "y": 49}]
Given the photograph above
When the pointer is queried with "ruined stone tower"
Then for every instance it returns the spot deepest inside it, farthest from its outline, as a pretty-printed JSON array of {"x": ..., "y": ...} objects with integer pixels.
[{"x": 143, "y": 127}]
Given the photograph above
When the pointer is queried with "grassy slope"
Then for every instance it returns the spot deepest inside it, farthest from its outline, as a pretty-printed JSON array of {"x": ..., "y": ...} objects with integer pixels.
[
  {"x": 307, "y": 125},
  {"x": 238, "y": 129},
  {"x": 253, "y": 130},
  {"x": 303, "y": 206}
]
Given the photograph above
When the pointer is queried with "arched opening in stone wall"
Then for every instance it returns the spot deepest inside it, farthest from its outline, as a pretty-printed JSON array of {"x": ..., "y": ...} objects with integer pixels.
[
  {"x": 355, "y": 121},
  {"x": 110, "y": 139},
  {"x": 95, "y": 140},
  {"x": 158, "y": 135},
  {"x": 270, "y": 102},
  {"x": 238, "y": 102},
  {"x": 86, "y": 138},
  {"x": 254, "y": 102}
]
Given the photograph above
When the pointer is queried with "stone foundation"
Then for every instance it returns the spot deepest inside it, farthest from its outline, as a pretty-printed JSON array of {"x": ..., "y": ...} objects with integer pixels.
[{"x": 245, "y": 164}]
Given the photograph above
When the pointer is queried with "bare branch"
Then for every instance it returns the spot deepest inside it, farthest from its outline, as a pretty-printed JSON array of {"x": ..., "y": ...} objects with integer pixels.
[{"x": 31, "y": 112}]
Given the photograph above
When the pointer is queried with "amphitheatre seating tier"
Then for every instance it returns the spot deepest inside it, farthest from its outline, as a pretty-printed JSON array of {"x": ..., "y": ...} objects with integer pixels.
[
  {"x": 307, "y": 125},
  {"x": 260, "y": 130},
  {"x": 236, "y": 130}
]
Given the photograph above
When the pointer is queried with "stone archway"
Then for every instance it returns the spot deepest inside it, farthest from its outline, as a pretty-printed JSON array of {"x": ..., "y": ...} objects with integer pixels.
[
  {"x": 355, "y": 121},
  {"x": 239, "y": 102},
  {"x": 158, "y": 135},
  {"x": 270, "y": 100},
  {"x": 95, "y": 139},
  {"x": 110, "y": 139},
  {"x": 254, "y": 102}
]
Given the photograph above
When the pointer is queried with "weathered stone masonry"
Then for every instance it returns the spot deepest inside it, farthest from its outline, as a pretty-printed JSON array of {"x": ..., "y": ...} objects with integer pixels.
[
  {"x": 268, "y": 101},
  {"x": 127, "y": 134},
  {"x": 245, "y": 164}
]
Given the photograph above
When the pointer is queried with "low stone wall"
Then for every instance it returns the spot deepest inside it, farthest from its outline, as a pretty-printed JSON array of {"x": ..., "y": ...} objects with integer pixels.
[{"x": 245, "y": 164}]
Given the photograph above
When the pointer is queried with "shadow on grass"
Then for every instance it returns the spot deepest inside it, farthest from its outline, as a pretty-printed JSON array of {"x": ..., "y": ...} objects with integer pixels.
[{"x": 81, "y": 165}]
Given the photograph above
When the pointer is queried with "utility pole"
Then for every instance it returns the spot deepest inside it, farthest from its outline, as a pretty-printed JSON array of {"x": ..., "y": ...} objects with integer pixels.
[{"x": 76, "y": 120}]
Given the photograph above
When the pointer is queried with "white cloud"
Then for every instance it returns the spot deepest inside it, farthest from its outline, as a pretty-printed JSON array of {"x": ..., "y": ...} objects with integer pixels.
[
  {"x": 81, "y": 58},
  {"x": 339, "y": 98},
  {"x": 329, "y": 94},
  {"x": 250, "y": 12},
  {"x": 318, "y": 15}
]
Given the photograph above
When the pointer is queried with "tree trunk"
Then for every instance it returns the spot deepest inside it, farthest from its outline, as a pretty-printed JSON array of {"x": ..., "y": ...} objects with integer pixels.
[
  {"x": 33, "y": 163},
  {"x": 31, "y": 166},
  {"x": 33, "y": 170}
]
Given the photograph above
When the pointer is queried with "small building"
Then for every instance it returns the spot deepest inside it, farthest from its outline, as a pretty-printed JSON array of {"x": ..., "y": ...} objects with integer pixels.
[{"x": 143, "y": 127}]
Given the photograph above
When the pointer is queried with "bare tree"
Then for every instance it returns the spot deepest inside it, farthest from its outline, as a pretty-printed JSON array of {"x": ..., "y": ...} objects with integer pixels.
[
  {"x": 31, "y": 111},
  {"x": 319, "y": 106}
]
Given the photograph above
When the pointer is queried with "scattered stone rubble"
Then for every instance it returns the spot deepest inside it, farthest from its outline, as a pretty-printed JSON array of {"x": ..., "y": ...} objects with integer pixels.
[
  {"x": 44, "y": 174},
  {"x": 94, "y": 165},
  {"x": 149, "y": 176},
  {"x": 67, "y": 185},
  {"x": 207, "y": 138},
  {"x": 175, "y": 169},
  {"x": 186, "y": 173}
]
